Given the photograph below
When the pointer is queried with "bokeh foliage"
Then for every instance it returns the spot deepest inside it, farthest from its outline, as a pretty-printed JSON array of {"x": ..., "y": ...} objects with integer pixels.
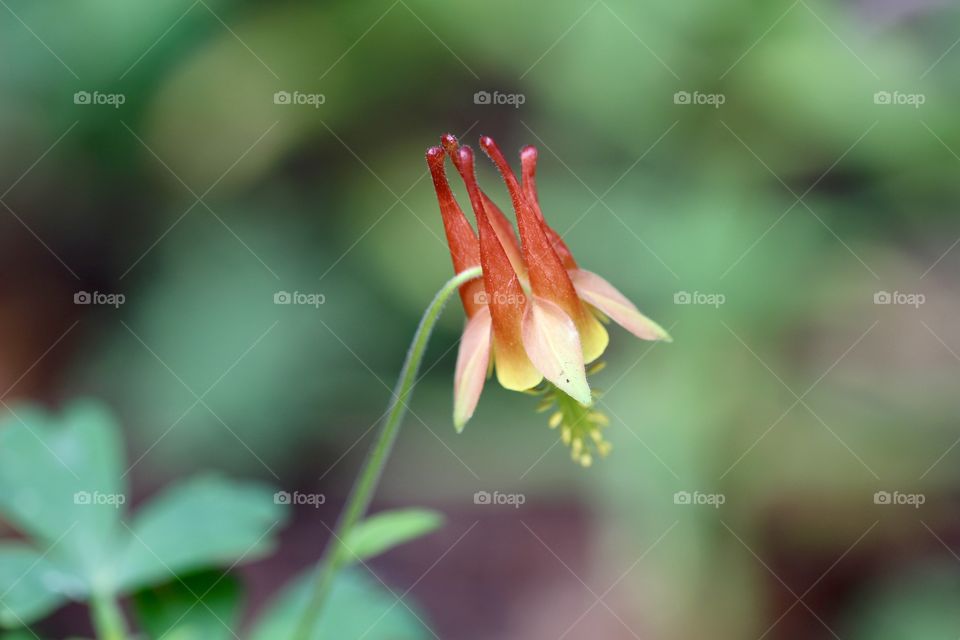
[{"x": 797, "y": 200}]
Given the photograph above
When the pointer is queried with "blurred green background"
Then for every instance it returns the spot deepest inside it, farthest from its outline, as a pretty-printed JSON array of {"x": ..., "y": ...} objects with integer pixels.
[{"x": 779, "y": 165}]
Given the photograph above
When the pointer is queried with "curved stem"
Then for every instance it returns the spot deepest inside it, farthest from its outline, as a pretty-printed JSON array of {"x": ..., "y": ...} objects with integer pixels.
[
  {"x": 366, "y": 482},
  {"x": 107, "y": 618}
]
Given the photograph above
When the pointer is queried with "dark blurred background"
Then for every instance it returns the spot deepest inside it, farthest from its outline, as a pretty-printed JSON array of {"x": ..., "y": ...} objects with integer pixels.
[{"x": 774, "y": 182}]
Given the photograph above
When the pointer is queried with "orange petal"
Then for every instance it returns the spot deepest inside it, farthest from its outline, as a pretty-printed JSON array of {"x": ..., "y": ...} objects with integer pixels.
[
  {"x": 503, "y": 293},
  {"x": 506, "y": 235},
  {"x": 528, "y": 168},
  {"x": 604, "y": 296},
  {"x": 473, "y": 359},
  {"x": 548, "y": 277},
  {"x": 464, "y": 248},
  {"x": 499, "y": 222},
  {"x": 462, "y": 241},
  {"x": 553, "y": 344}
]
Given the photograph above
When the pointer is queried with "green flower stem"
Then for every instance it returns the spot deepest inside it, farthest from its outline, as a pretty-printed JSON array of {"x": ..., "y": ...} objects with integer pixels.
[
  {"x": 366, "y": 483},
  {"x": 107, "y": 617}
]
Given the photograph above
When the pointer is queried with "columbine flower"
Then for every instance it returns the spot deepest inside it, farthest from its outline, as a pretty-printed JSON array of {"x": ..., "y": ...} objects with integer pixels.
[{"x": 535, "y": 311}]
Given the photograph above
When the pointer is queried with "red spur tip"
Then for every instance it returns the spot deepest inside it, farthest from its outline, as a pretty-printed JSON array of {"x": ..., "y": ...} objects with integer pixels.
[
  {"x": 463, "y": 244},
  {"x": 449, "y": 142}
]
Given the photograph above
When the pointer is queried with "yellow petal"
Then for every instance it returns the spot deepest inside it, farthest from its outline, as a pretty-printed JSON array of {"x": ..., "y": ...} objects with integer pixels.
[{"x": 514, "y": 369}]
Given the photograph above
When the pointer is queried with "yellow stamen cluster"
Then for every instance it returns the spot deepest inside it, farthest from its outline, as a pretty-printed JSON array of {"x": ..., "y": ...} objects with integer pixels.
[{"x": 580, "y": 425}]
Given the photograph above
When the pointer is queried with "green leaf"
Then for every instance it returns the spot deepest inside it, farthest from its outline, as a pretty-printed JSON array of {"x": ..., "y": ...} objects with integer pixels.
[
  {"x": 388, "y": 529},
  {"x": 31, "y": 585},
  {"x": 60, "y": 481},
  {"x": 358, "y": 607},
  {"x": 201, "y": 606},
  {"x": 61, "y": 485},
  {"x": 202, "y": 522}
]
